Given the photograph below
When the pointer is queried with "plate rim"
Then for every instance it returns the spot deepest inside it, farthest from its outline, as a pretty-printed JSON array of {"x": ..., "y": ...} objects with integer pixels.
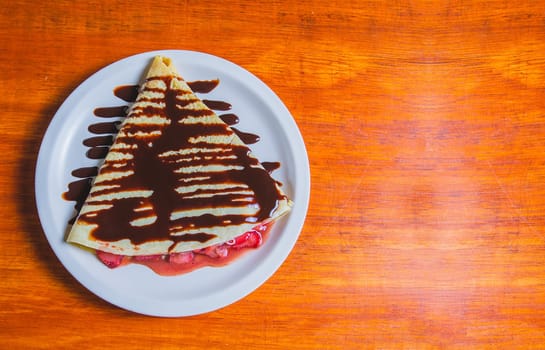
[{"x": 284, "y": 119}]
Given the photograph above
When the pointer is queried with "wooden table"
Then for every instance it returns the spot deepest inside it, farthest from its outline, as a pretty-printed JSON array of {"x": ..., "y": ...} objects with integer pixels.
[{"x": 425, "y": 129}]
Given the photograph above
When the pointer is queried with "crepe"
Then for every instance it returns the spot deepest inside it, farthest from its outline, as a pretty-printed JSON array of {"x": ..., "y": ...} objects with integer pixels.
[{"x": 177, "y": 178}]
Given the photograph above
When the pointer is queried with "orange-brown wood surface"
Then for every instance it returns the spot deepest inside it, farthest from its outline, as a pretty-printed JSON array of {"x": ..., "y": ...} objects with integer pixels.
[{"x": 425, "y": 128}]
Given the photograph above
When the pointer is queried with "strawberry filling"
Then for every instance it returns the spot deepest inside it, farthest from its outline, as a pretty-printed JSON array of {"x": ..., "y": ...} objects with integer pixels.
[{"x": 178, "y": 263}]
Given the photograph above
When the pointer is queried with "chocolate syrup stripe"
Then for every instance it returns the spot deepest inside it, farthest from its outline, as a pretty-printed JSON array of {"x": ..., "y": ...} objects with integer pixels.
[
  {"x": 79, "y": 189},
  {"x": 164, "y": 196}
]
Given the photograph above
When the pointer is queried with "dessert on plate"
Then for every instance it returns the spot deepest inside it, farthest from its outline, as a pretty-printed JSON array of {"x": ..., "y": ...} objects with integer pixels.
[{"x": 178, "y": 188}]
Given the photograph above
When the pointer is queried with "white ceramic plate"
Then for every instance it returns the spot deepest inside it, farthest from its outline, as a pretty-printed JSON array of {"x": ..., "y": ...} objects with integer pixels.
[{"x": 136, "y": 287}]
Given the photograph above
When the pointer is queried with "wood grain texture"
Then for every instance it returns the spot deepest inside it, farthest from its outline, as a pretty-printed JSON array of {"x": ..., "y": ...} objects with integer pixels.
[{"x": 425, "y": 128}]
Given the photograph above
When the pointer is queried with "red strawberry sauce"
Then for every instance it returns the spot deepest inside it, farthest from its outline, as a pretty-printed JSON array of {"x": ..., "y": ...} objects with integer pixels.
[{"x": 181, "y": 263}]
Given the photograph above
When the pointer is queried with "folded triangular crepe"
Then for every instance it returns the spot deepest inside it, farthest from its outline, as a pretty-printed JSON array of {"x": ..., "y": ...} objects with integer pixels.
[{"x": 176, "y": 179}]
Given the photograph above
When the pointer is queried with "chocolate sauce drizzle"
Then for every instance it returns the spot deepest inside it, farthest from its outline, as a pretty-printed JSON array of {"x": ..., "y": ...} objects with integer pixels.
[{"x": 163, "y": 182}]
